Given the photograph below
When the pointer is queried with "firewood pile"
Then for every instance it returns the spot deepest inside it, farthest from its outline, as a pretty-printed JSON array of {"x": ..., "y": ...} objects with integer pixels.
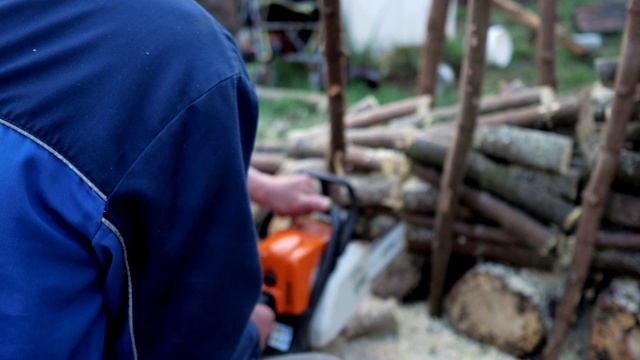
[{"x": 531, "y": 155}]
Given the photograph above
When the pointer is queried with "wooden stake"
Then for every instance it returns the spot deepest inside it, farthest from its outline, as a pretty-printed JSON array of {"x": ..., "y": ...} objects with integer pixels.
[
  {"x": 432, "y": 48},
  {"x": 546, "y": 44},
  {"x": 335, "y": 79},
  {"x": 454, "y": 169},
  {"x": 597, "y": 190}
]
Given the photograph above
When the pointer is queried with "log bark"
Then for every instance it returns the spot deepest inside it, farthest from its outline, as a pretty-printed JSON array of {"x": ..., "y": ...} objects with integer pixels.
[
  {"x": 532, "y": 21},
  {"x": 615, "y": 322},
  {"x": 529, "y": 147},
  {"x": 627, "y": 241},
  {"x": 628, "y": 168},
  {"x": 454, "y": 166},
  {"x": 471, "y": 231},
  {"x": 512, "y": 220},
  {"x": 496, "y": 179},
  {"x": 597, "y": 190},
  {"x": 373, "y": 191},
  {"x": 420, "y": 239},
  {"x": 503, "y": 306},
  {"x": 335, "y": 80},
  {"x": 617, "y": 262},
  {"x": 371, "y": 227},
  {"x": 546, "y": 44},
  {"x": 431, "y": 53},
  {"x": 623, "y": 209}
]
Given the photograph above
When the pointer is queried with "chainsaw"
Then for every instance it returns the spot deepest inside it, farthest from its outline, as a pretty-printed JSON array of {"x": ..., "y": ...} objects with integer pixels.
[{"x": 315, "y": 276}]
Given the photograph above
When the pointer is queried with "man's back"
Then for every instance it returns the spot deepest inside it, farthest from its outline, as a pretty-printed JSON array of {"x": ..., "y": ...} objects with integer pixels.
[{"x": 125, "y": 133}]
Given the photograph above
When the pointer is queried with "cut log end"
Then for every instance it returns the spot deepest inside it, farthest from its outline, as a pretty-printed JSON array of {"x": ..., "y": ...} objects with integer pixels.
[
  {"x": 496, "y": 304},
  {"x": 615, "y": 322}
]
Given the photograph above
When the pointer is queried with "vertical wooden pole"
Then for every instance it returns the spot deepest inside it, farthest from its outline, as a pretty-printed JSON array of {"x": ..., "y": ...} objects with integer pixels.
[
  {"x": 432, "y": 49},
  {"x": 597, "y": 191},
  {"x": 455, "y": 165},
  {"x": 335, "y": 79},
  {"x": 546, "y": 44}
]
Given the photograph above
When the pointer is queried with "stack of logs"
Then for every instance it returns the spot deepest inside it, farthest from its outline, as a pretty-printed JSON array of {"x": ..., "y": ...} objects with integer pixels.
[{"x": 531, "y": 155}]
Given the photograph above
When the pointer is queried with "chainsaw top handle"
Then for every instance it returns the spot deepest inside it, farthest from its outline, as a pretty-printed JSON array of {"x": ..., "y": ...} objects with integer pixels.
[{"x": 345, "y": 229}]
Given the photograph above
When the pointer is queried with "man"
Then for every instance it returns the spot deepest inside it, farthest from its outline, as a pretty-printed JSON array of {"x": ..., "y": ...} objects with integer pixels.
[{"x": 126, "y": 129}]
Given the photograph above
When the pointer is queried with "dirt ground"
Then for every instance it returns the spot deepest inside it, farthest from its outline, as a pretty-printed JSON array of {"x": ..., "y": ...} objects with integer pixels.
[{"x": 421, "y": 337}]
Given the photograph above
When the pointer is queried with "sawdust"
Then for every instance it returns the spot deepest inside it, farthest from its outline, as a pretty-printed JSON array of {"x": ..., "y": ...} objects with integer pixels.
[{"x": 422, "y": 337}]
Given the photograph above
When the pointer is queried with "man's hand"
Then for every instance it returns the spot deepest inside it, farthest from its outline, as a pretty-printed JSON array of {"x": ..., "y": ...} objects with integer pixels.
[
  {"x": 286, "y": 195},
  {"x": 264, "y": 318}
]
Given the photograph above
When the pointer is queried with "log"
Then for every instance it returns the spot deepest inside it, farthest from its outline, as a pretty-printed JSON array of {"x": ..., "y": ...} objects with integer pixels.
[
  {"x": 371, "y": 322},
  {"x": 615, "y": 322},
  {"x": 473, "y": 232},
  {"x": 562, "y": 112},
  {"x": 546, "y": 44},
  {"x": 494, "y": 178},
  {"x": 420, "y": 239},
  {"x": 529, "y": 147},
  {"x": 534, "y": 95},
  {"x": 628, "y": 168},
  {"x": 617, "y": 262},
  {"x": 598, "y": 186},
  {"x": 373, "y": 191},
  {"x": 505, "y": 307},
  {"x": 532, "y": 21},
  {"x": 627, "y": 241},
  {"x": 623, "y": 209},
  {"x": 335, "y": 79},
  {"x": 371, "y": 227},
  {"x": 389, "y": 111},
  {"x": 456, "y": 159},
  {"x": 512, "y": 220},
  {"x": 419, "y": 196},
  {"x": 400, "y": 278}
]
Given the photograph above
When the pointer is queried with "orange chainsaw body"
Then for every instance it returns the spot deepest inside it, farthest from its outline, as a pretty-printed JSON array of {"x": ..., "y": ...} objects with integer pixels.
[{"x": 289, "y": 259}]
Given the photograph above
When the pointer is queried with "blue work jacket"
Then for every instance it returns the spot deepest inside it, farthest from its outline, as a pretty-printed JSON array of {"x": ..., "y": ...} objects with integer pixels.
[{"x": 126, "y": 128}]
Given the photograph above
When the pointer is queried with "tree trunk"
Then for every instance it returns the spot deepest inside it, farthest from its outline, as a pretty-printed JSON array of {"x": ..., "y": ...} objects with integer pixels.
[
  {"x": 532, "y": 21},
  {"x": 432, "y": 49},
  {"x": 546, "y": 44},
  {"x": 627, "y": 241},
  {"x": 615, "y": 322},
  {"x": 400, "y": 278},
  {"x": 561, "y": 112},
  {"x": 454, "y": 168},
  {"x": 335, "y": 80},
  {"x": 503, "y": 306},
  {"x": 597, "y": 190},
  {"x": 268, "y": 162}
]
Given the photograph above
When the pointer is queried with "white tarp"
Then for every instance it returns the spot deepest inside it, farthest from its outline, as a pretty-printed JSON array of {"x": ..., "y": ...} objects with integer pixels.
[{"x": 383, "y": 24}]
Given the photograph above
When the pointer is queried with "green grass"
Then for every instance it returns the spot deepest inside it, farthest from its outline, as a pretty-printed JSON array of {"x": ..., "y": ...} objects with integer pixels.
[{"x": 399, "y": 71}]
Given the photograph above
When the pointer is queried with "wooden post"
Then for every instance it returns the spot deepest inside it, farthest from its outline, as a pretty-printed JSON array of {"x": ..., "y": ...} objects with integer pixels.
[
  {"x": 454, "y": 169},
  {"x": 597, "y": 190},
  {"x": 546, "y": 44},
  {"x": 335, "y": 78},
  {"x": 432, "y": 49}
]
